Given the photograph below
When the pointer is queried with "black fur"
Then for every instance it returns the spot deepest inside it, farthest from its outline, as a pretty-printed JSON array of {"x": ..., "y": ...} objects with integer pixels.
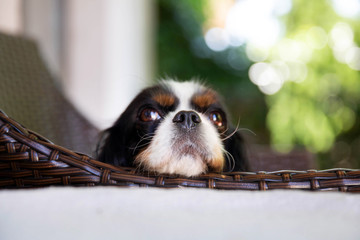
[
  {"x": 124, "y": 140},
  {"x": 236, "y": 147},
  {"x": 120, "y": 143}
]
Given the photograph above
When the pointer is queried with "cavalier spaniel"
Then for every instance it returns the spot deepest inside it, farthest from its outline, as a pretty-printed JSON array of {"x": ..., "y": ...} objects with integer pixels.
[{"x": 175, "y": 128}]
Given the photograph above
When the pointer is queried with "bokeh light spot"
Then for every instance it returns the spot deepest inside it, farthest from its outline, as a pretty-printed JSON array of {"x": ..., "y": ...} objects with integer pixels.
[
  {"x": 352, "y": 58},
  {"x": 217, "y": 39},
  {"x": 266, "y": 77},
  {"x": 256, "y": 54},
  {"x": 316, "y": 37},
  {"x": 347, "y": 8},
  {"x": 341, "y": 36}
]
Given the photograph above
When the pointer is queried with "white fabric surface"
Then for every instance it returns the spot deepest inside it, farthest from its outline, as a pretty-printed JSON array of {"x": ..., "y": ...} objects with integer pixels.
[{"x": 117, "y": 213}]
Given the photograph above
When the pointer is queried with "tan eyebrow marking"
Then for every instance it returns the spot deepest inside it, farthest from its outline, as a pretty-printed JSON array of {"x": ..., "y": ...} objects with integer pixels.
[
  {"x": 205, "y": 99},
  {"x": 164, "y": 99}
]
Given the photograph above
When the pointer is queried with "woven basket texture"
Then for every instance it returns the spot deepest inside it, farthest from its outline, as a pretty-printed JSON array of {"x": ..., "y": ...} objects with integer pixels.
[
  {"x": 29, "y": 94},
  {"x": 27, "y": 160}
]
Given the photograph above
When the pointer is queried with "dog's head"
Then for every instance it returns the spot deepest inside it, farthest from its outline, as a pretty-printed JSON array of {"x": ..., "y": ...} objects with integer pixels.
[{"x": 174, "y": 128}]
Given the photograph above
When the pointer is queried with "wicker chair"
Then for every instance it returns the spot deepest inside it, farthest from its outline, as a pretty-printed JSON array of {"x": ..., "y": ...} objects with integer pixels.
[
  {"x": 29, "y": 94},
  {"x": 29, "y": 160}
]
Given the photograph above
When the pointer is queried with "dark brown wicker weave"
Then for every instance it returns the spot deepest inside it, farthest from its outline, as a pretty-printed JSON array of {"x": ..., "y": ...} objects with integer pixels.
[{"x": 29, "y": 160}]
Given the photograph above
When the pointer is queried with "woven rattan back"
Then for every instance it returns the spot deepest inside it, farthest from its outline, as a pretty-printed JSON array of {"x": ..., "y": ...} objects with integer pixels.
[
  {"x": 29, "y": 94},
  {"x": 28, "y": 160}
]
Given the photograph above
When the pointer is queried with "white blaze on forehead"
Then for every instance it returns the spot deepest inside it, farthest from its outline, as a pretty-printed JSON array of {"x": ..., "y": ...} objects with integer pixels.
[{"x": 184, "y": 91}]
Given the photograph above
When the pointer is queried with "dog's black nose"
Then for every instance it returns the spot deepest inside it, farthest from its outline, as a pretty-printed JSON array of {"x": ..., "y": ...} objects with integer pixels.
[{"x": 187, "y": 119}]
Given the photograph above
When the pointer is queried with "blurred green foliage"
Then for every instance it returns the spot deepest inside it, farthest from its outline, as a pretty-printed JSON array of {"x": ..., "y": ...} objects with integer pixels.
[
  {"x": 324, "y": 108},
  {"x": 320, "y": 113}
]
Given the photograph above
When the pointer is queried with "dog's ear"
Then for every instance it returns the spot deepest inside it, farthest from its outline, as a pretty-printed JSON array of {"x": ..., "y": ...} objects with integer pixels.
[
  {"x": 115, "y": 144},
  {"x": 112, "y": 147},
  {"x": 234, "y": 145}
]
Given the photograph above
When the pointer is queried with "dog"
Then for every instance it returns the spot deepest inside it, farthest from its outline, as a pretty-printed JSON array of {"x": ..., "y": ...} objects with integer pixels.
[{"x": 175, "y": 128}]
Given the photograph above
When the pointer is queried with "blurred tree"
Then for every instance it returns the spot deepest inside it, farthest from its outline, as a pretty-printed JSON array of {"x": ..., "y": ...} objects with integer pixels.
[
  {"x": 323, "y": 108},
  {"x": 316, "y": 102}
]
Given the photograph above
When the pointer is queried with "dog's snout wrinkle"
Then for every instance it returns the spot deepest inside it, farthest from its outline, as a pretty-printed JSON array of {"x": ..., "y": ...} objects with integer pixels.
[{"x": 187, "y": 119}]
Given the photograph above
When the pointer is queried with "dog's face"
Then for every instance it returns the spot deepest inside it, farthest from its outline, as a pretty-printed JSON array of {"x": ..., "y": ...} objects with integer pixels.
[{"x": 175, "y": 128}]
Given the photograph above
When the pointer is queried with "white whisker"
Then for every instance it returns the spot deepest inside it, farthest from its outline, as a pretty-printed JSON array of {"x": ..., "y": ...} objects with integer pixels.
[
  {"x": 248, "y": 130},
  {"x": 230, "y": 159},
  {"x": 139, "y": 146},
  {"x": 236, "y": 130},
  {"x": 148, "y": 136}
]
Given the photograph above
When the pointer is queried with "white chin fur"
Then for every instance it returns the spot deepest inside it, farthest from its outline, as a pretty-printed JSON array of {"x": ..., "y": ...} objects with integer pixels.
[{"x": 166, "y": 155}]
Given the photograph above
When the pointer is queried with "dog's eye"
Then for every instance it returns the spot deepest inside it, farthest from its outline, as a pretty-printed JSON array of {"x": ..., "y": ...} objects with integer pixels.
[
  {"x": 216, "y": 118},
  {"x": 149, "y": 114}
]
